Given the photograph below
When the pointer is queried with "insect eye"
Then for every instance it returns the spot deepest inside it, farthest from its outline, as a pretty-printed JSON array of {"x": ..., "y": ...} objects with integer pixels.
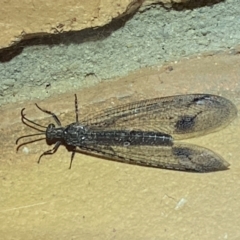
[{"x": 51, "y": 126}]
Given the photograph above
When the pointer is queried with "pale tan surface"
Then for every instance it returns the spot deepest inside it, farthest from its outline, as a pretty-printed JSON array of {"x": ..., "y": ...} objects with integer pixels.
[
  {"x": 26, "y": 19},
  {"x": 100, "y": 199}
]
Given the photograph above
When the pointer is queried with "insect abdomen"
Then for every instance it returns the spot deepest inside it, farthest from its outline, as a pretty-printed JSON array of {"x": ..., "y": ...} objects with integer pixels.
[{"x": 126, "y": 138}]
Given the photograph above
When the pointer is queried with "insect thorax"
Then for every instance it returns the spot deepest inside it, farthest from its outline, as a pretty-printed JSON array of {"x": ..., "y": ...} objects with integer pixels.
[
  {"x": 69, "y": 135},
  {"x": 74, "y": 134}
]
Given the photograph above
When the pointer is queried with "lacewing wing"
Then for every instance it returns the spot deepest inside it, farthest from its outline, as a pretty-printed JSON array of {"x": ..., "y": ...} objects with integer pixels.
[{"x": 181, "y": 116}]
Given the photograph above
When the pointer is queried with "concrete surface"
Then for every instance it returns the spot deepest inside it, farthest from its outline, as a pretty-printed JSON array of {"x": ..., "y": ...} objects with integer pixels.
[
  {"x": 101, "y": 199},
  {"x": 151, "y": 37}
]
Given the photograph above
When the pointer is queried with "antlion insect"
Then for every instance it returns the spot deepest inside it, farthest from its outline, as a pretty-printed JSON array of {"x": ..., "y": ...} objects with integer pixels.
[{"x": 143, "y": 132}]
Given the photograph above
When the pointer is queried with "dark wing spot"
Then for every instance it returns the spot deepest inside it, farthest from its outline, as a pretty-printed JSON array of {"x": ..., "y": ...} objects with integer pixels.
[
  {"x": 185, "y": 124},
  {"x": 182, "y": 153},
  {"x": 185, "y": 158},
  {"x": 197, "y": 99}
]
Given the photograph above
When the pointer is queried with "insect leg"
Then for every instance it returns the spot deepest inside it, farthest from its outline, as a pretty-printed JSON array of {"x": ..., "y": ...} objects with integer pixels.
[
  {"x": 51, "y": 151},
  {"x": 50, "y": 113},
  {"x": 72, "y": 156},
  {"x": 76, "y": 107}
]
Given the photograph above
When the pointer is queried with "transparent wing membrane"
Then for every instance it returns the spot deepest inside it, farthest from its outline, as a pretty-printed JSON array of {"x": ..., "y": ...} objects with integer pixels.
[{"x": 182, "y": 116}]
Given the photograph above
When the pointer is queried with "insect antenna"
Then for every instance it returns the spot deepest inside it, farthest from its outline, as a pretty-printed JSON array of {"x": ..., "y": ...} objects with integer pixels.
[
  {"x": 26, "y": 121},
  {"x": 30, "y": 135},
  {"x": 32, "y": 141}
]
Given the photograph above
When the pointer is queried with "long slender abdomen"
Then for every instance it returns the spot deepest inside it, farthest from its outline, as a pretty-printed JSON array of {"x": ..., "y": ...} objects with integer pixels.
[{"x": 127, "y": 138}]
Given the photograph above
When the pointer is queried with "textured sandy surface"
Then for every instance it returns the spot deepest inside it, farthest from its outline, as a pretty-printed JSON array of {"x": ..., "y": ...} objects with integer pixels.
[
  {"x": 26, "y": 19},
  {"x": 100, "y": 199}
]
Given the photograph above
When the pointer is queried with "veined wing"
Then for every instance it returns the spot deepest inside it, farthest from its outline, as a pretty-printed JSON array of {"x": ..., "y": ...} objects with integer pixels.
[
  {"x": 185, "y": 157},
  {"x": 182, "y": 116}
]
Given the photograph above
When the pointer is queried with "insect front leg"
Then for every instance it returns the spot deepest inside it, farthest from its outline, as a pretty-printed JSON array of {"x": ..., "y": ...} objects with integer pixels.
[
  {"x": 50, "y": 113},
  {"x": 51, "y": 151}
]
